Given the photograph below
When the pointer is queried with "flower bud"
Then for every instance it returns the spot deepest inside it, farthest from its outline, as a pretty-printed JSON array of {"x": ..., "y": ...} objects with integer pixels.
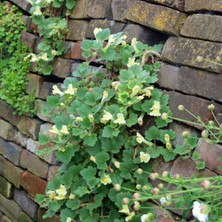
[
  {"x": 117, "y": 187},
  {"x": 206, "y": 184},
  {"x": 199, "y": 59},
  {"x": 139, "y": 171},
  {"x": 136, "y": 195},
  {"x": 155, "y": 191},
  {"x": 136, "y": 206},
  {"x": 176, "y": 176},
  {"x": 138, "y": 186},
  {"x": 125, "y": 200},
  {"x": 165, "y": 174},
  {"x": 211, "y": 107},
  {"x": 181, "y": 107},
  {"x": 218, "y": 59},
  {"x": 204, "y": 134},
  {"x": 145, "y": 187},
  {"x": 211, "y": 122},
  {"x": 164, "y": 116},
  {"x": 154, "y": 176},
  {"x": 185, "y": 134},
  {"x": 160, "y": 186},
  {"x": 117, "y": 164}
]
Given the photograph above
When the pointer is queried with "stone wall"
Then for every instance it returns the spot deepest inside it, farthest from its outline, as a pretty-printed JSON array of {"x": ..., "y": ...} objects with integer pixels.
[{"x": 187, "y": 28}]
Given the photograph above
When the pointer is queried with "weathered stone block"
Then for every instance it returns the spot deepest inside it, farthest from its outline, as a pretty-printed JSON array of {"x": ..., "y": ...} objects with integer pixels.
[
  {"x": 8, "y": 113},
  {"x": 24, "y": 218},
  {"x": 35, "y": 83},
  {"x": 177, "y": 4},
  {"x": 99, "y": 9},
  {"x": 26, "y": 203},
  {"x": 191, "y": 81},
  {"x": 194, "y": 104},
  {"x": 210, "y": 153},
  {"x": 120, "y": 8},
  {"x": 20, "y": 139},
  {"x": 34, "y": 164},
  {"x": 76, "y": 51},
  {"x": 77, "y": 30},
  {"x": 187, "y": 169},
  {"x": 157, "y": 17},
  {"x": 98, "y": 23},
  {"x": 52, "y": 172},
  {"x": 33, "y": 184},
  {"x": 62, "y": 67},
  {"x": 10, "y": 171},
  {"x": 45, "y": 90},
  {"x": 9, "y": 208},
  {"x": 142, "y": 34},
  {"x": 67, "y": 52},
  {"x": 6, "y": 188},
  {"x": 22, "y": 4},
  {"x": 39, "y": 106},
  {"x": 5, "y": 219},
  {"x": 200, "y": 5},
  {"x": 185, "y": 51},
  {"x": 203, "y": 26},
  {"x": 29, "y": 127},
  {"x": 80, "y": 11},
  {"x": 29, "y": 39},
  {"x": 7, "y": 131},
  {"x": 10, "y": 151}
]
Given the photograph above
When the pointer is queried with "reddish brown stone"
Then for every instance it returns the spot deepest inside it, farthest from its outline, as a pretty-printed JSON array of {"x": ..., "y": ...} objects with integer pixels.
[
  {"x": 33, "y": 184},
  {"x": 62, "y": 67},
  {"x": 210, "y": 154},
  {"x": 99, "y": 9},
  {"x": 76, "y": 51},
  {"x": 29, "y": 39},
  {"x": 52, "y": 172}
]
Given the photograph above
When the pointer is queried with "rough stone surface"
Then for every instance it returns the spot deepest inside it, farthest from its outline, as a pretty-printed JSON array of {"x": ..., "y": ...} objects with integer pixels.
[
  {"x": 191, "y": 81},
  {"x": 187, "y": 169},
  {"x": 142, "y": 34},
  {"x": 29, "y": 39},
  {"x": 39, "y": 106},
  {"x": 7, "y": 131},
  {"x": 22, "y": 4},
  {"x": 62, "y": 68},
  {"x": 157, "y": 17},
  {"x": 34, "y": 164},
  {"x": 77, "y": 29},
  {"x": 177, "y": 4},
  {"x": 32, "y": 145},
  {"x": 185, "y": 51},
  {"x": 35, "y": 83},
  {"x": 33, "y": 184},
  {"x": 30, "y": 127},
  {"x": 6, "y": 188},
  {"x": 197, "y": 26},
  {"x": 5, "y": 219},
  {"x": 24, "y": 218},
  {"x": 80, "y": 11},
  {"x": 8, "y": 113},
  {"x": 120, "y": 8},
  {"x": 112, "y": 25},
  {"x": 195, "y": 105},
  {"x": 210, "y": 153},
  {"x": 20, "y": 139},
  {"x": 26, "y": 203},
  {"x": 10, "y": 151},
  {"x": 52, "y": 172},
  {"x": 10, "y": 171},
  {"x": 99, "y": 8},
  {"x": 76, "y": 51},
  {"x": 200, "y": 5},
  {"x": 45, "y": 90},
  {"x": 9, "y": 208}
]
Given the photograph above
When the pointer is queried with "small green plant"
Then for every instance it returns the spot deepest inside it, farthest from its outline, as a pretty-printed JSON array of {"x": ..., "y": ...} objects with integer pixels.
[
  {"x": 14, "y": 70},
  {"x": 97, "y": 115},
  {"x": 52, "y": 30}
]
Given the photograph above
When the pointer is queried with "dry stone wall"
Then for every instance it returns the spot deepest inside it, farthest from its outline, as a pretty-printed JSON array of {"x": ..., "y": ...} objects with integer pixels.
[{"x": 187, "y": 28}]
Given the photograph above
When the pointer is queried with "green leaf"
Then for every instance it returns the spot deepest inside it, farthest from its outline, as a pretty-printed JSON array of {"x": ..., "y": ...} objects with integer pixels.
[
  {"x": 191, "y": 142},
  {"x": 97, "y": 202},
  {"x": 103, "y": 35},
  {"x": 65, "y": 213},
  {"x": 52, "y": 101},
  {"x": 153, "y": 133},
  {"x": 132, "y": 120},
  {"x": 168, "y": 155},
  {"x": 101, "y": 159},
  {"x": 90, "y": 139},
  {"x": 44, "y": 139},
  {"x": 108, "y": 132},
  {"x": 70, "y": 4},
  {"x": 181, "y": 150},
  {"x": 200, "y": 165},
  {"x": 196, "y": 156},
  {"x": 44, "y": 46},
  {"x": 67, "y": 155},
  {"x": 73, "y": 204},
  {"x": 89, "y": 175}
]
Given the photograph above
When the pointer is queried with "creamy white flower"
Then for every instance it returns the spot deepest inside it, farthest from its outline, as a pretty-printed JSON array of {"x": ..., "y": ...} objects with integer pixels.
[
  {"x": 61, "y": 193},
  {"x": 135, "y": 90},
  {"x": 70, "y": 90},
  {"x": 105, "y": 95},
  {"x": 143, "y": 218},
  {"x": 64, "y": 130},
  {"x": 106, "y": 180},
  {"x": 120, "y": 119},
  {"x": 144, "y": 157},
  {"x": 125, "y": 209},
  {"x": 44, "y": 57},
  {"x": 68, "y": 219},
  {"x": 54, "y": 130},
  {"x": 163, "y": 200},
  {"x": 56, "y": 90},
  {"x": 140, "y": 120},
  {"x": 133, "y": 44},
  {"x": 34, "y": 58},
  {"x": 131, "y": 62},
  {"x": 200, "y": 211},
  {"x": 130, "y": 216},
  {"x": 72, "y": 196},
  {"x": 92, "y": 158},
  {"x": 37, "y": 11},
  {"x": 106, "y": 117},
  {"x": 96, "y": 31},
  {"x": 155, "y": 109},
  {"x": 54, "y": 52},
  {"x": 139, "y": 138},
  {"x": 91, "y": 118}
]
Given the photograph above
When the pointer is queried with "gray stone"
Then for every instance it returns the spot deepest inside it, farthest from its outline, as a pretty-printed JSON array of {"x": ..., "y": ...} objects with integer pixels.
[
  {"x": 99, "y": 9},
  {"x": 191, "y": 81},
  {"x": 26, "y": 203},
  {"x": 203, "y": 26},
  {"x": 177, "y": 4},
  {"x": 6, "y": 188},
  {"x": 39, "y": 106},
  {"x": 22, "y": 4},
  {"x": 185, "y": 51},
  {"x": 45, "y": 90},
  {"x": 62, "y": 68},
  {"x": 7, "y": 131}
]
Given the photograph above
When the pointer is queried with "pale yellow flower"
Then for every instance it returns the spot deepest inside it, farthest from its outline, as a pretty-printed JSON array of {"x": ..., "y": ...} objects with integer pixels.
[
  {"x": 144, "y": 157},
  {"x": 44, "y": 57},
  {"x": 155, "y": 109},
  {"x": 37, "y": 11},
  {"x": 105, "y": 95},
  {"x": 61, "y": 193},
  {"x": 91, "y": 118},
  {"x": 70, "y": 90},
  {"x": 92, "y": 158},
  {"x": 68, "y": 219},
  {"x": 51, "y": 194},
  {"x": 139, "y": 138},
  {"x": 54, "y": 130},
  {"x": 133, "y": 44},
  {"x": 117, "y": 164},
  {"x": 64, "y": 130},
  {"x": 130, "y": 216},
  {"x": 72, "y": 196},
  {"x": 125, "y": 209},
  {"x": 140, "y": 120},
  {"x": 34, "y": 58},
  {"x": 131, "y": 62},
  {"x": 135, "y": 90},
  {"x": 106, "y": 117},
  {"x": 106, "y": 179},
  {"x": 54, "y": 52},
  {"x": 56, "y": 90},
  {"x": 120, "y": 119},
  {"x": 79, "y": 119},
  {"x": 96, "y": 31},
  {"x": 115, "y": 85},
  {"x": 148, "y": 91}
]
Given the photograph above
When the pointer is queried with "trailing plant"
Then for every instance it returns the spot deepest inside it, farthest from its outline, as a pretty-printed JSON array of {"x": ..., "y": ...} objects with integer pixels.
[
  {"x": 14, "y": 70},
  {"x": 52, "y": 30},
  {"x": 97, "y": 117}
]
